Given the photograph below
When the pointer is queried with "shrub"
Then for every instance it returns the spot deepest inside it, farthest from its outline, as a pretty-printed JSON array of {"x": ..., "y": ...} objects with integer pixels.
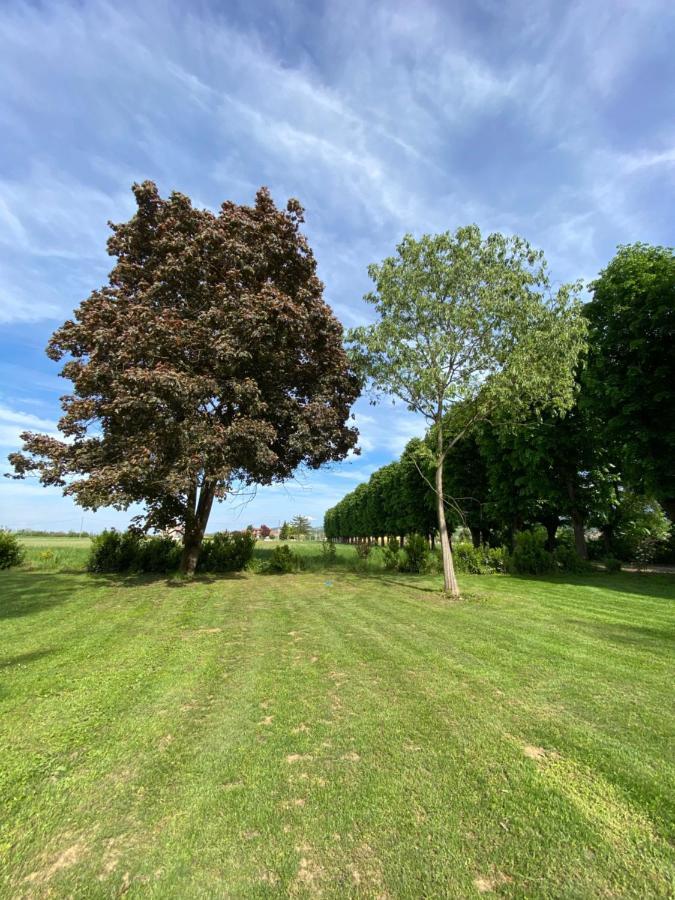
[
  {"x": 226, "y": 551},
  {"x": 11, "y": 551},
  {"x": 328, "y": 553},
  {"x": 283, "y": 561},
  {"x": 530, "y": 557},
  {"x": 568, "y": 560},
  {"x": 390, "y": 555},
  {"x": 611, "y": 564},
  {"x": 157, "y": 554},
  {"x": 113, "y": 551},
  {"x": 483, "y": 560},
  {"x": 363, "y": 549},
  {"x": 415, "y": 554}
]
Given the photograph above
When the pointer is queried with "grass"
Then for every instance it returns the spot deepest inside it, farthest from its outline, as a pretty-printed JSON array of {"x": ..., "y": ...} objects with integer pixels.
[{"x": 335, "y": 735}]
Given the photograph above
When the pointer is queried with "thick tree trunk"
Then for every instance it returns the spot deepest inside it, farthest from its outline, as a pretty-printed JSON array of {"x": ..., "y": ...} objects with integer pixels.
[
  {"x": 551, "y": 526},
  {"x": 475, "y": 536},
  {"x": 579, "y": 534},
  {"x": 195, "y": 526},
  {"x": 607, "y": 537},
  {"x": 577, "y": 521},
  {"x": 449, "y": 580}
]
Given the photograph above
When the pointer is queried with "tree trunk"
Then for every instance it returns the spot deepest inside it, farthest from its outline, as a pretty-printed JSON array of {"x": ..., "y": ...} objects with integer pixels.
[
  {"x": 449, "y": 580},
  {"x": 577, "y": 521},
  {"x": 551, "y": 526},
  {"x": 475, "y": 536},
  {"x": 195, "y": 526}
]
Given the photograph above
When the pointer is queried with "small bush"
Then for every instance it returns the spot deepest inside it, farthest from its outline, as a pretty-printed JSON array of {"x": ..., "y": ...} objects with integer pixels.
[
  {"x": 283, "y": 561},
  {"x": 113, "y": 552},
  {"x": 568, "y": 560},
  {"x": 391, "y": 556},
  {"x": 328, "y": 553},
  {"x": 11, "y": 551},
  {"x": 157, "y": 555},
  {"x": 611, "y": 564},
  {"x": 226, "y": 551},
  {"x": 363, "y": 549},
  {"x": 530, "y": 557},
  {"x": 483, "y": 560},
  {"x": 415, "y": 554}
]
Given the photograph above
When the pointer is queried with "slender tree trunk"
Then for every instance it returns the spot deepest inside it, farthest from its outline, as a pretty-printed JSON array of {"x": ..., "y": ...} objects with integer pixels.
[
  {"x": 475, "y": 536},
  {"x": 195, "y": 526},
  {"x": 449, "y": 579}
]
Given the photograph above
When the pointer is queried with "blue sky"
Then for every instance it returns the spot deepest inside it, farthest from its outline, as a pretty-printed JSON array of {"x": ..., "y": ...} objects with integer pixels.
[{"x": 552, "y": 120}]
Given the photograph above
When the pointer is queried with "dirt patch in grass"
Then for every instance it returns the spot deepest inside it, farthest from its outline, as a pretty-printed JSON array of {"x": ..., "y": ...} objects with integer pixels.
[
  {"x": 486, "y": 884},
  {"x": 297, "y": 757},
  {"x": 67, "y": 858}
]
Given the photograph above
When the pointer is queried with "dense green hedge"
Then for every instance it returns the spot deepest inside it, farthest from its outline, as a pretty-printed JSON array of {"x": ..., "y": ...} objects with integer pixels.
[{"x": 126, "y": 552}]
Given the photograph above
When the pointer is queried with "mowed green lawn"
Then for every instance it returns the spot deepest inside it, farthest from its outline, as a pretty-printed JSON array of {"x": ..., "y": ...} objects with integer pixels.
[{"x": 336, "y": 735}]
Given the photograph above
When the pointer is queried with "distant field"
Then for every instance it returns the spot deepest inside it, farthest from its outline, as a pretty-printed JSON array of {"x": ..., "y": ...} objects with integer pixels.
[
  {"x": 335, "y": 735},
  {"x": 51, "y": 554}
]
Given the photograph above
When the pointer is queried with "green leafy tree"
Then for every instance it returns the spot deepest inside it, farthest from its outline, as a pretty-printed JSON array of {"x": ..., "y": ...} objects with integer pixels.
[
  {"x": 552, "y": 466},
  {"x": 285, "y": 532},
  {"x": 468, "y": 324},
  {"x": 300, "y": 526},
  {"x": 209, "y": 360},
  {"x": 631, "y": 370}
]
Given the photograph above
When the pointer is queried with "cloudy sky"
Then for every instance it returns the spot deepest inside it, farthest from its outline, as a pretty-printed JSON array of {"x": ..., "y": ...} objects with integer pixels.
[{"x": 555, "y": 120}]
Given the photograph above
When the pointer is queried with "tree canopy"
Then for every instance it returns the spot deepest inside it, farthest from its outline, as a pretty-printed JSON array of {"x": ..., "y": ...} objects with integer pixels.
[
  {"x": 210, "y": 359},
  {"x": 631, "y": 369}
]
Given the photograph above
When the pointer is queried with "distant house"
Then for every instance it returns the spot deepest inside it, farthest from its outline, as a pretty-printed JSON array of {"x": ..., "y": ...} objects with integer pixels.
[{"x": 274, "y": 533}]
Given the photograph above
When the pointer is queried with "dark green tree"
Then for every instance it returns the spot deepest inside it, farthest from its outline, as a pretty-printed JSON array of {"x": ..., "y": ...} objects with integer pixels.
[{"x": 631, "y": 368}]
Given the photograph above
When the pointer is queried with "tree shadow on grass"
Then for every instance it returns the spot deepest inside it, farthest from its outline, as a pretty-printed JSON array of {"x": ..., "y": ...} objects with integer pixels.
[
  {"x": 22, "y": 658},
  {"x": 167, "y": 580},
  {"x": 645, "y": 637},
  {"x": 656, "y": 586},
  {"x": 28, "y": 594}
]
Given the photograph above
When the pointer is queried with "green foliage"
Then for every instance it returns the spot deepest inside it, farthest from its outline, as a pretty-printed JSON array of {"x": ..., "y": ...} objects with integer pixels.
[
  {"x": 328, "y": 553},
  {"x": 391, "y": 556},
  {"x": 113, "y": 551},
  {"x": 631, "y": 366},
  {"x": 639, "y": 528},
  {"x": 300, "y": 526},
  {"x": 415, "y": 554},
  {"x": 130, "y": 552},
  {"x": 157, "y": 555},
  {"x": 226, "y": 551},
  {"x": 482, "y": 560},
  {"x": 283, "y": 561},
  {"x": 285, "y": 532},
  {"x": 11, "y": 551},
  {"x": 611, "y": 564},
  {"x": 363, "y": 549},
  {"x": 530, "y": 557},
  {"x": 568, "y": 560}
]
